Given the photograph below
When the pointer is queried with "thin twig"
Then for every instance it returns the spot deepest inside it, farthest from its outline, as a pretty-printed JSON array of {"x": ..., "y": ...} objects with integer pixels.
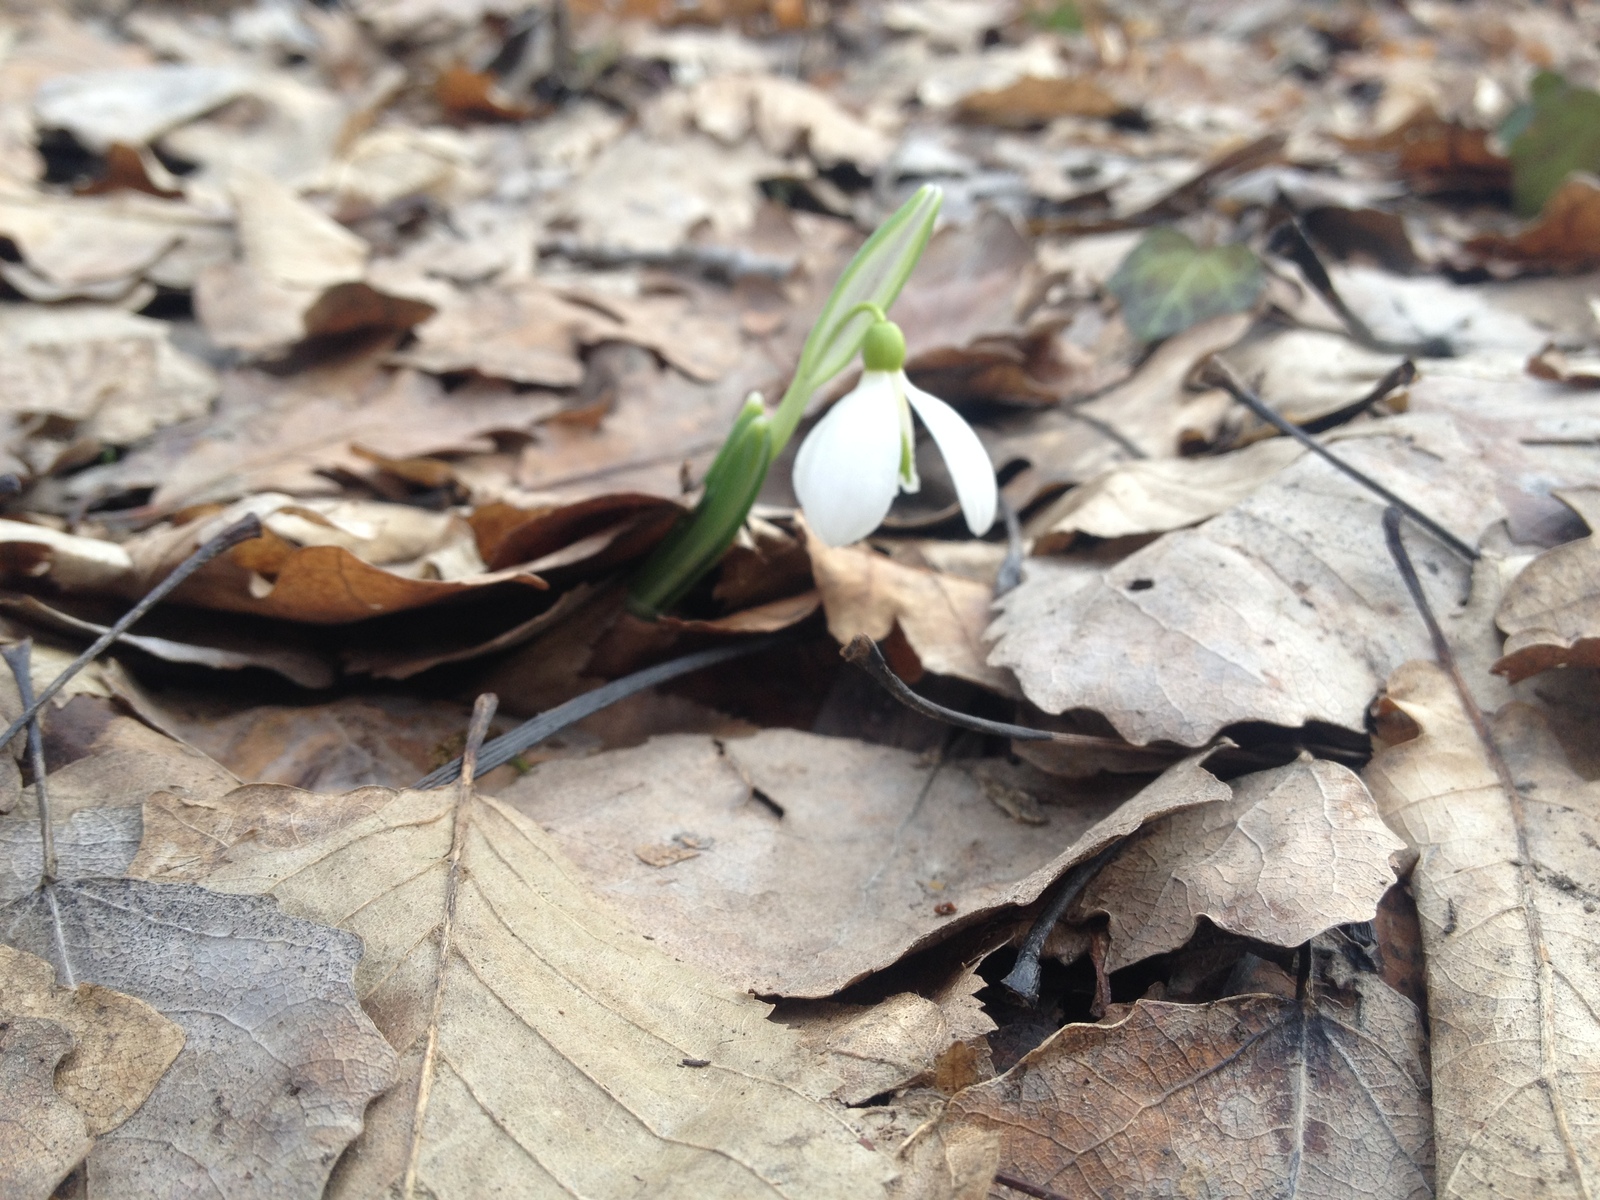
[
  {"x": 1290, "y": 240},
  {"x": 482, "y": 714},
  {"x": 1218, "y": 373},
  {"x": 1399, "y": 377},
  {"x": 1026, "y": 1188},
  {"x": 530, "y": 733},
  {"x": 864, "y": 652},
  {"x": 18, "y": 658},
  {"x": 240, "y": 531},
  {"x": 1010, "y": 573},
  {"x": 1023, "y": 979}
]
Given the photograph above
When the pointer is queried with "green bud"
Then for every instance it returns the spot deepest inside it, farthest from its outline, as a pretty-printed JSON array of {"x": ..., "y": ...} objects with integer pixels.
[{"x": 884, "y": 347}]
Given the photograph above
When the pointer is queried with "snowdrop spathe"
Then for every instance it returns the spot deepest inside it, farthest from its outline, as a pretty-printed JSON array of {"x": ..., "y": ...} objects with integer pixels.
[{"x": 860, "y": 454}]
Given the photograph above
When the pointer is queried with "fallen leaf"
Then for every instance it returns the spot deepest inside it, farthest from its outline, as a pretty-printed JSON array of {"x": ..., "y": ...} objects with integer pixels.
[
  {"x": 1031, "y": 102},
  {"x": 95, "y": 803},
  {"x": 270, "y": 435},
  {"x": 44, "y": 1136},
  {"x": 115, "y": 376},
  {"x": 121, "y": 1047},
  {"x": 1551, "y": 612},
  {"x": 1169, "y": 284},
  {"x": 1574, "y": 368},
  {"x": 942, "y": 616},
  {"x": 1286, "y": 608},
  {"x": 1565, "y": 236},
  {"x": 134, "y": 105},
  {"x": 278, "y": 1061},
  {"x": 1322, "y": 1098},
  {"x": 789, "y": 117},
  {"x": 551, "y": 1007},
  {"x": 1504, "y": 882},
  {"x": 1244, "y": 865},
  {"x": 1158, "y": 495},
  {"x": 646, "y": 195},
  {"x": 793, "y": 896},
  {"x": 466, "y": 94}
]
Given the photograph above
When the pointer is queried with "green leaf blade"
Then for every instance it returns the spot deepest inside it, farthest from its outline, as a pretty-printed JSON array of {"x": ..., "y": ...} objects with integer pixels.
[{"x": 1167, "y": 283}]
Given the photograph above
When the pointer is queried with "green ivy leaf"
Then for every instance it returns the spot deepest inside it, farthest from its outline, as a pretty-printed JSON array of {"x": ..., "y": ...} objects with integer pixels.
[
  {"x": 1168, "y": 283},
  {"x": 1555, "y": 133}
]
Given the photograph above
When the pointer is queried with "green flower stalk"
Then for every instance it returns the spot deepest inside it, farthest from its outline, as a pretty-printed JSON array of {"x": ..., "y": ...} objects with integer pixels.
[{"x": 867, "y": 288}]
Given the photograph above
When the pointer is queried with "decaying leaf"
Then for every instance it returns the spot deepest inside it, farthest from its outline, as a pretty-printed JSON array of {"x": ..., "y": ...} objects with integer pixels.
[
  {"x": 95, "y": 802},
  {"x": 1321, "y": 1097},
  {"x": 278, "y": 1062},
  {"x": 942, "y": 616},
  {"x": 1168, "y": 283},
  {"x": 1297, "y": 851},
  {"x": 1506, "y": 881},
  {"x": 1564, "y": 237},
  {"x": 121, "y": 1046},
  {"x": 1158, "y": 495},
  {"x": 43, "y": 1136},
  {"x": 115, "y": 376},
  {"x": 1282, "y": 609},
  {"x": 1551, "y": 611},
  {"x": 554, "y": 1016}
]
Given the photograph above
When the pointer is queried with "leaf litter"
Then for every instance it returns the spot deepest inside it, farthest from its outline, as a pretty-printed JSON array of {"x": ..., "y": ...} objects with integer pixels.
[{"x": 460, "y": 300}]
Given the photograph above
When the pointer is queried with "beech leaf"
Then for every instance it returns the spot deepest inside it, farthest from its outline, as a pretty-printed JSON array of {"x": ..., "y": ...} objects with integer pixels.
[
  {"x": 556, "y": 1020},
  {"x": 1506, "y": 886}
]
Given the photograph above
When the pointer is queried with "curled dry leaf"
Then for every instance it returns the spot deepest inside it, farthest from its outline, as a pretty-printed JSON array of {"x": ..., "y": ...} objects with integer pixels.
[
  {"x": 1297, "y": 851},
  {"x": 1551, "y": 611},
  {"x": 1506, "y": 886},
  {"x": 323, "y": 562},
  {"x": 279, "y": 1062},
  {"x": 121, "y": 1046},
  {"x": 1254, "y": 1095},
  {"x": 43, "y": 1136},
  {"x": 1564, "y": 237},
  {"x": 1159, "y": 495},
  {"x": 1282, "y": 609},
  {"x": 134, "y": 105},
  {"x": 942, "y": 616},
  {"x": 556, "y": 1021}
]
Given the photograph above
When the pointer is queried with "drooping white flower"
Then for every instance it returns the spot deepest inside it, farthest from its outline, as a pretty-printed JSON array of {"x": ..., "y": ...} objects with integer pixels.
[{"x": 859, "y": 455}]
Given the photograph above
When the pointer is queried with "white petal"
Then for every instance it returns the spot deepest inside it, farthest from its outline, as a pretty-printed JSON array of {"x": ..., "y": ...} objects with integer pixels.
[
  {"x": 964, "y": 455},
  {"x": 848, "y": 468}
]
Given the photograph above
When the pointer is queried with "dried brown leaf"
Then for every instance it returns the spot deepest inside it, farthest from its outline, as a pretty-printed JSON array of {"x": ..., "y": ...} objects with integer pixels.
[
  {"x": 559, "y": 1025},
  {"x": 1297, "y": 851},
  {"x": 43, "y": 1136},
  {"x": 279, "y": 1061},
  {"x": 121, "y": 1046},
  {"x": 1551, "y": 612},
  {"x": 1506, "y": 884},
  {"x": 942, "y": 616},
  {"x": 1282, "y": 609},
  {"x": 1252, "y": 1095}
]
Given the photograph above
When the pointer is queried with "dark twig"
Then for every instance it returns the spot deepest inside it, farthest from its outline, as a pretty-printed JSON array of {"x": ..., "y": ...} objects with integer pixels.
[
  {"x": 1026, "y": 1188},
  {"x": 1399, "y": 377},
  {"x": 1024, "y": 977},
  {"x": 1217, "y": 373},
  {"x": 530, "y": 733},
  {"x": 18, "y": 658},
  {"x": 864, "y": 652},
  {"x": 240, "y": 531},
  {"x": 1290, "y": 241},
  {"x": 1010, "y": 573}
]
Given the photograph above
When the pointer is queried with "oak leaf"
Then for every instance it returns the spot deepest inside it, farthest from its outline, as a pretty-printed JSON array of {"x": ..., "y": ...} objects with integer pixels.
[{"x": 1551, "y": 611}]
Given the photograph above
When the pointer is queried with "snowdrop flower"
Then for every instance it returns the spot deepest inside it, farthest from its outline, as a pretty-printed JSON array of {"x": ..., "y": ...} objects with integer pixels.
[{"x": 860, "y": 454}]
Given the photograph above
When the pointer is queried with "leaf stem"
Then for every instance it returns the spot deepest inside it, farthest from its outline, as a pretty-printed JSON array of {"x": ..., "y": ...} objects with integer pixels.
[{"x": 18, "y": 658}]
